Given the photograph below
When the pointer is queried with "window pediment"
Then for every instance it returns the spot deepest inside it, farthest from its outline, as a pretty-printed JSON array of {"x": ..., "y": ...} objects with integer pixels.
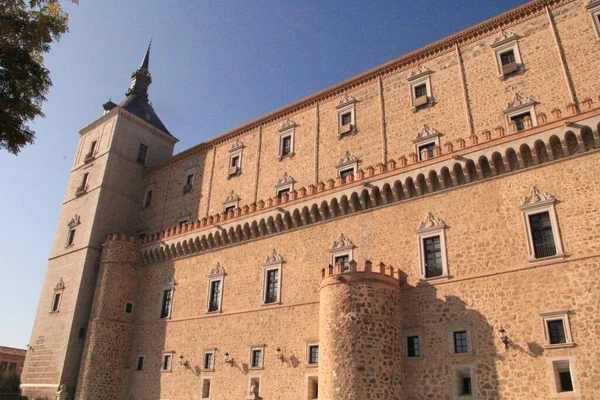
[
  {"x": 503, "y": 38},
  {"x": 536, "y": 197},
  {"x": 217, "y": 271},
  {"x": 431, "y": 223},
  {"x": 74, "y": 221}
]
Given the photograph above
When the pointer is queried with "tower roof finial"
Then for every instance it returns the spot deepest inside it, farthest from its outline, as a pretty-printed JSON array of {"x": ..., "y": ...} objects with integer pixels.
[{"x": 146, "y": 60}]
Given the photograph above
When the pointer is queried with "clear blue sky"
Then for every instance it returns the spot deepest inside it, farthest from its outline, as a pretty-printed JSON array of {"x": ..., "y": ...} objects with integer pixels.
[{"x": 215, "y": 65}]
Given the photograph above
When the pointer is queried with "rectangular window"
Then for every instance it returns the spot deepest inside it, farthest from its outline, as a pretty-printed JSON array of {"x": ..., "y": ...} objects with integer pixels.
[
  {"x": 229, "y": 208},
  {"x": 282, "y": 192},
  {"x": 563, "y": 376},
  {"x": 71, "y": 237},
  {"x": 413, "y": 346},
  {"x": 556, "y": 331},
  {"x": 56, "y": 302},
  {"x": 433, "y": 257},
  {"x": 429, "y": 148},
  {"x": 255, "y": 382},
  {"x": 215, "y": 296},
  {"x": 345, "y": 260},
  {"x": 12, "y": 366},
  {"x": 141, "y": 155},
  {"x": 541, "y": 233},
  {"x": 466, "y": 386},
  {"x": 519, "y": 120},
  {"x": 313, "y": 388},
  {"x": 566, "y": 384},
  {"x": 128, "y": 307},
  {"x": 346, "y": 118},
  {"x": 344, "y": 173},
  {"x": 286, "y": 145},
  {"x": 507, "y": 57},
  {"x": 84, "y": 181},
  {"x": 140, "y": 363},
  {"x": 256, "y": 361},
  {"x": 148, "y": 199},
  {"x": 189, "y": 179},
  {"x": 208, "y": 360},
  {"x": 421, "y": 91},
  {"x": 461, "y": 342},
  {"x": 205, "y": 388},
  {"x": 272, "y": 286},
  {"x": 92, "y": 148},
  {"x": 235, "y": 161},
  {"x": 165, "y": 309},
  {"x": 313, "y": 354},
  {"x": 166, "y": 364}
]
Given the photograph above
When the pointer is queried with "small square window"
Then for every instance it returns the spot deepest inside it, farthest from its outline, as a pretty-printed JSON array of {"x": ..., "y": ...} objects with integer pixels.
[
  {"x": 166, "y": 362},
  {"x": 507, "y": 57},
  {"x": 563, "y": 377},
  {"x": 519, "y": 120},
  {"x": 557, "y": 331},
  {"x": 421, "y": 90},
  {"x": 139, "y": 365},
  {"x": 128, "y": 307},
  {"x": 346, "y": 118},
  {"x": 344, "y": 173},
  {"x": 167, "y": 298},
  {"x": 428, "y": 148},
  {"x": 206, "y": 388},
  {"x": 229, "y": 208},
  {"x": 413, "y": 346},
  {"x": 313, "y": 354},
  {"x": 345, "y": 260},
  {"x": 235, "y": 161},
  {"x": 141, "y": 155},
  {"x": 461, "y": 342}
]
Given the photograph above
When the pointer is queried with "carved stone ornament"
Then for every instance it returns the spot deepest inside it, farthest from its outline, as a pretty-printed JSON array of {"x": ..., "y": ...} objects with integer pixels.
[
  {"x": 431, "y": 222},
  {"x": 285, "y": 180},
  {"x": 519, "y": 100},
  {"x": 427, "y": 133},
  {"x": 592, "y": 4},
  {"x": 347, "y": 159},
  {"x": 60, "y": 285},
  {"x": 236, "y": 146},
  {"x": 232, "y": 198},
  {"x": 274, "y": 258},
  {"x": 342, "y": 242},
  {"x": 535, "y": 196},
  {"x": 419, "y": 71},
  {"x": 288, "y": 124},
  {"x": 503, "y": 37},
  {"x": 74, "y": 221},
  {"x": 217, "y": 270},
  {"x": 346, "y": 99}
]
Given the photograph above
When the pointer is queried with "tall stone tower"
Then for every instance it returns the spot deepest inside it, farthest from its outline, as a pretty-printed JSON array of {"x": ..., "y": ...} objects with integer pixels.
[{"x": 104, "y": 195}]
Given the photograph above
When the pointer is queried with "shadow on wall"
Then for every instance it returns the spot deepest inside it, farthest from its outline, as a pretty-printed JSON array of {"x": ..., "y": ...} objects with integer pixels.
[{"x": 450, "y": 350}]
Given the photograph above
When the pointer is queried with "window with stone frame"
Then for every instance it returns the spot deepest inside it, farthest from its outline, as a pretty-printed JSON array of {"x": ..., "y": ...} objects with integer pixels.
[
  {"x": 148, "y": 197},
  {"x": 215, "y": 289},
  {"x": 188, "y": 183},
  {"x": 347, "y": 165},
  {"x": 520, "y": 113},
  {"x": 312, "y": 353},
  {"x": 312, "y": 387},
  {"x": 346, "y": 116},
  {"x": 507, "y": 55},
  {"x": 421, "y": 95},
  {"x": 167, "y": 362},
  {"x": 257, "y": 356},
  {"x": 541, "y": 226},
  {"x": 426, "y": 142},
  {"x": 231, "y": 202},
  {"x": 287, "y": 133},
  {"x": 234, "y": 166},
  {"x": 563, "y": 377},
  {"x": 166, "y": 302},
  {"x": 57, "y": 296},
  {"x": 557, "y": 329},
  {"x": 272, "y": 279},
  {"x": 413, "y": 346},
  {"x": 459, "y": 339},
  {"x": 593, "y": 7},
  {"x": 208, "y": 362},
  {"x": 342, "y": 251},
  {"x": 141, "y": 154},
  {"x": 432, "y": 248},
  {"x": 464, "y": 382}
]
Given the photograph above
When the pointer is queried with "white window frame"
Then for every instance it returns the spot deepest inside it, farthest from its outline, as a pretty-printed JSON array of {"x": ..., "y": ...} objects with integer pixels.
[
  {"x": 346, "y": 105},
  {"x": 137, "y": 360},
  {"x": 261, "y": 348},
  {"x": 537, "y": 203},
  {"x": 162, "y": 361},
  {"x": 554, "y": 316},
  {"x": 594, "y": 9},
  {"x": 202, "y": 394},
  {"x": 217, "y": 274},
  {"x": 452, "y": 348},
  {"x": 288, "y": 129},
  {"x": 169, "y": 286},
  {"x": 342, "y": 247},
  {"x": 273, "y": 262},
  {"x": 459, "y": 372},
  {"x": 309, "y": 344},
  {"x": 212, "y": 352},
  {"x": 430, "y": 228},
  {"x": 409, "y": 333},
  {"x": 310, "y": 381},
  {"x": 504, "y": 43},
  {"x": 420, "y": 77},
  {"x": 554, "y": 363},
  {"x": 149, "y": 188},
  {"x": 189, "y": 172},
  {"x": 236, "y": 150}
]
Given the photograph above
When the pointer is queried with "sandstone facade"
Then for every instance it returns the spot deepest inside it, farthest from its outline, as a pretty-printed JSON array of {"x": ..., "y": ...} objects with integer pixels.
[{"x": 424, "y": 273}]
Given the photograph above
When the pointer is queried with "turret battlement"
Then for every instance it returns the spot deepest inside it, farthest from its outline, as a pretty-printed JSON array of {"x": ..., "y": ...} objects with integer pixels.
[
  {"x": 353, "y": 273},
  {"x": 120, "y": 248}
]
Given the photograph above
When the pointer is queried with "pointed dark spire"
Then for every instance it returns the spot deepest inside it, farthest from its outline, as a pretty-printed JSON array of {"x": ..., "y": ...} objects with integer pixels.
[
  {"x": 141, "y": 79},
  {"x": 146, "y": 60}
]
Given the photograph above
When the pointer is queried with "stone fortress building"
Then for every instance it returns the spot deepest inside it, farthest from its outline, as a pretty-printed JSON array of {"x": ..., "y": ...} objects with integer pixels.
[{"x": 429, "y": 229}]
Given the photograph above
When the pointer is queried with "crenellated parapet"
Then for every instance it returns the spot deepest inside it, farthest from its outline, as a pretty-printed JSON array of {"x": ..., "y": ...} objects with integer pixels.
[
  {"x": 120, "y": 248},
  {"x": 359, "y": 329}
]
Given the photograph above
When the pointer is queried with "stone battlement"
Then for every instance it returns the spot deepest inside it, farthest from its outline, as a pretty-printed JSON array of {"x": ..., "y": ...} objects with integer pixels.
[{"x": 353, "y": 273}]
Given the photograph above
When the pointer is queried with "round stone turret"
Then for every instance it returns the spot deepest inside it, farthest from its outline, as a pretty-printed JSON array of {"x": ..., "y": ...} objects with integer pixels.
[{"x": 359, "y": 333}]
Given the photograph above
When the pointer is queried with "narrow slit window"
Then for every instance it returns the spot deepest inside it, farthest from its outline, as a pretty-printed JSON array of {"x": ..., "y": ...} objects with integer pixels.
[
  {"x": 206, "y": 388},
  {"x": 139, "y": 364},
  {"x": 148, "y": 199},
  {"x": 71, "y": 237},
  {"x": 272, "y": 286},
  {"x": 208, "y": 360},
  {"x": 166, "y": 364},
  {"x": 413, "y": 346},
  {"x": 215, "y": 296},
  {"x": 56, "y": 302},
  {"x": 165, "y": 309}
]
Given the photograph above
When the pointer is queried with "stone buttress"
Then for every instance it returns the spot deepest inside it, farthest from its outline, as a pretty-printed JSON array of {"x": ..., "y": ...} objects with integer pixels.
[
  {"x": 110, "y": 327},
  {"x": 359, "y": 330}
]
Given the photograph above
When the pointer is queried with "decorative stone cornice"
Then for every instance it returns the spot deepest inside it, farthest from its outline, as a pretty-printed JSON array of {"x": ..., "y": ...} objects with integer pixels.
[
  {"x": 285, "y": 180},
  {"x": 431, "y": 222},
  {"x": 274, "y": 258},
  {"x": 287, "y": 125},
  {"x": 503, "y": 37},
  {"x": 593, "y": 4},
  {"x": 346, "y": 100},
  {"x": 342, "y": 243},
  {"x": 347, "y": 159},
  {"x": 218, "y": 270},
  {"x": 426, "y": 134},
  {"x": 74, "y": 221},
  {"x": 232, "y": 198},
  {"x": 417, "y": 73},
  {"x": 519, "y": 101},
  {"x": 60, "y": 285},
  {"x": 235, "y": 146},
  {"x": 535, "y": 196}
]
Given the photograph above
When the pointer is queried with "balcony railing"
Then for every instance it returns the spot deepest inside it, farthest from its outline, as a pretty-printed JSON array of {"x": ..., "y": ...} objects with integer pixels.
[{"x": 544, "y": 250}]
